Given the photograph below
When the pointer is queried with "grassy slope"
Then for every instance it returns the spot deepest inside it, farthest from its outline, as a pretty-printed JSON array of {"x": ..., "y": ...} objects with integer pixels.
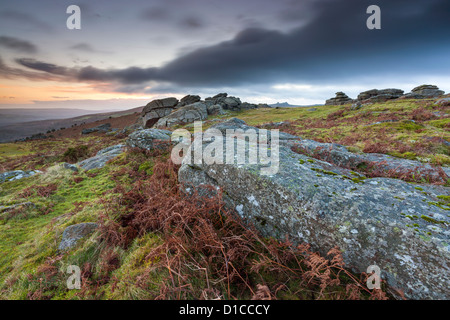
[{"x": 31, "y": 267}]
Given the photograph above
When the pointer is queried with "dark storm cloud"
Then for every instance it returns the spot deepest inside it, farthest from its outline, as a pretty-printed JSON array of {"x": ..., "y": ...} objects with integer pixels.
[
  {"x": 336, "y": 44},
  {"x": 18, "y": 45}
]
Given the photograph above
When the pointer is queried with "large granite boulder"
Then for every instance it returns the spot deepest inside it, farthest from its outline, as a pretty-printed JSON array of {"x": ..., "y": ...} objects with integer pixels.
[
  {"x": 340, "y": 99},
  {"x": 401, "y": 227},
  {"x": 188, "y": 114},
  {"x": 214, "y": 109},
  {"x": 225, "y": 101},
  {"x": 74, "y": 233},
  {"x": 148, "y": 138},
  {"x": 101, "y": 158},
  {"x": 425, "y": 91},
  {"x": 157, "y": 109}
]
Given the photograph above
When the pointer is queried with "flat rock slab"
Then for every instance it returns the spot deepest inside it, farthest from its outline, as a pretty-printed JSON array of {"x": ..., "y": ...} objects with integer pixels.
[{"x": 17, "y": 205}]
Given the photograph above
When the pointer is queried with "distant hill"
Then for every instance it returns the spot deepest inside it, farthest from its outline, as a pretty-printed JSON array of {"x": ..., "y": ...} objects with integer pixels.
[{"x": 18, "y": 130}]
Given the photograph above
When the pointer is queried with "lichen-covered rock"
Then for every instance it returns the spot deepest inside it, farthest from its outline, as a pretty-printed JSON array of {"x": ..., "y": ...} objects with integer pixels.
[
  {"x": 340, "y": 99},
  {"x": 130, "y": 129},
  {"x": 101, "y": 158},
  {"x": 74, "y": 233},
  {"x": 157, "y": 109},
  {"x": 16, "y": 206},
  {"x": 425, "y": 91},
  {"x": 217, "y": 96},
  {"x": 148, "y": 138},
  {"x": 188, "y": 114},
  {"x": 17, "y": 175},
  {"x": 401, "y": 227}
]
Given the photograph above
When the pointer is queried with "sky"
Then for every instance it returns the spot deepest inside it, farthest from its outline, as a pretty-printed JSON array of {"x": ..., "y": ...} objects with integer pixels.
[{"x": 263, "y": 51}]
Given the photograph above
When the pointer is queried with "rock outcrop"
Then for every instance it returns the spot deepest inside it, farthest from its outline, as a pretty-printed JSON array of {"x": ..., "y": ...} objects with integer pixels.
[
  {"x": 148, "y": 138},
  {"x": 157, "y": 109},
  {"x": 226, "y": 102},
  {"x": 74, "y": 233},
  {"x": 425, "y": 91},
  {"x": 101, "y": 158},
  {"x": 401, "y": 227},
  {"x": 443, "y": 102},
  {"x": 190, "y": 113},
  {"x": 375, "y": 95},
  {"x": 340, "y": 99},
  {"x": 340, "y": 156}
]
